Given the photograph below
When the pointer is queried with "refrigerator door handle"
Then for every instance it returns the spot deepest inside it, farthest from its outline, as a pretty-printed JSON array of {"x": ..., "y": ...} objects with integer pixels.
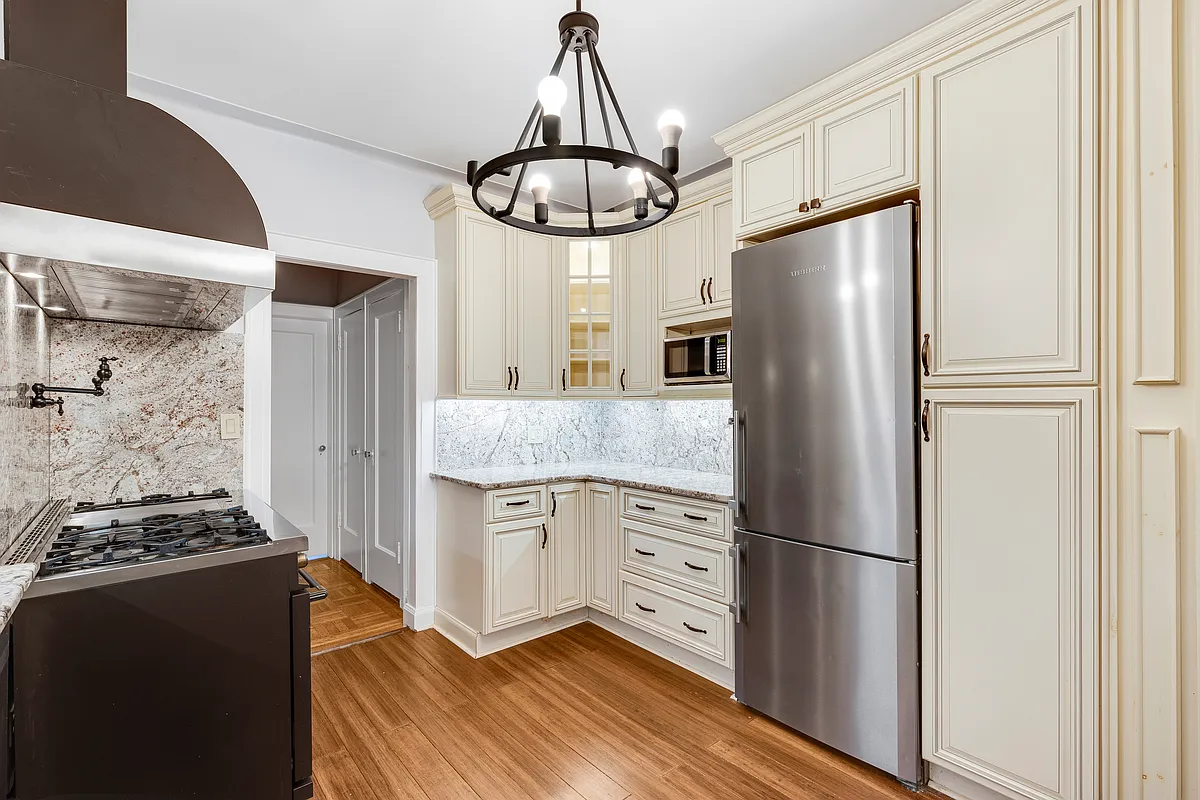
[
  {"x": 735, "y": 551},
  {"x": 738, "y": 504}
]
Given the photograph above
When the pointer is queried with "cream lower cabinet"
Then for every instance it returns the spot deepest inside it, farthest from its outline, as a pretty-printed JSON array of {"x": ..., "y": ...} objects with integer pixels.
[
  {"x": 516, "y": 572},
  {"x": 1010, "y": 570},
  {"x": 1009, "y": 205},
  {"x": 601, "y": 510},
  {"x": 568, "y": 547}
]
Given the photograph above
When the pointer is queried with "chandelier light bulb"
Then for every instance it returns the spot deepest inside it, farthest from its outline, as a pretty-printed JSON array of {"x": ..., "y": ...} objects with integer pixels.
[
  {"x": 552, "y": 94},
  {"x": 637, "y": 182},
  {"x": 539, "y": 184},
  {"x": 670, "y": 126}
]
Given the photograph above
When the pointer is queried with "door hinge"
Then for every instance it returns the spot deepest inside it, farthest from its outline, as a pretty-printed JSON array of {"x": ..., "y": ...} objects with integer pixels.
[
  {"x": 341, "y": 341},
  {"x": 399, "y": 323}
]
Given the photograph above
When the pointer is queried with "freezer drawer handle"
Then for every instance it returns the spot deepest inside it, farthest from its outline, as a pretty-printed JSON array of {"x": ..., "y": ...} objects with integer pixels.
[
  {"x": 643, "y": 608},
  {"x": 695, "y": 630},
  {"x": 518, "y": 503},
  {"x": 695, "y": 517},
  {"x": 690, "y": 565},
  {"x": 641, "y": 507},
  {"x": 643, "y": 553},
  {"x": 735, "y": 552}
]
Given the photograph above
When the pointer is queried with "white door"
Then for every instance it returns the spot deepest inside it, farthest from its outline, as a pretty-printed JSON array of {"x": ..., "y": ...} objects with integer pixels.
[
  {"x": 867, "y": 148},
  {"x": 1009, "y": 205},
  {"x": 387, "y": 461},
  {"x": 300, "y": 426},
  {"x": 1010, "y": 570},
  {"x": 533, "y": 323},
  {"x": 484, "y": 300},
  {"x": 683, "y": 272},
  {"x": 720, "y": 215},
  {"x": 568, "y": 576},
  {"x": 638, "y": 315},
  {"x": 353, "y": 358},
  {"x": 602, "y": 548},
  {"x": 516, "y": 573}
]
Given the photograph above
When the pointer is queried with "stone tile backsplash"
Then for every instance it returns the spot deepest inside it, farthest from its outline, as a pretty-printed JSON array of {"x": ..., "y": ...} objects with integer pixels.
[
  {"x": 684, "y": 434},
  {"x": 24, "y": 453},
  {"x": 157, "y": 429}
]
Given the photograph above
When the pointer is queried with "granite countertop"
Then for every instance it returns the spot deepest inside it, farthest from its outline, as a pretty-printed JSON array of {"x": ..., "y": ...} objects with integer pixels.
[
  {"x": 14, "y": 580},
  {"x": 712, "y": 486}
]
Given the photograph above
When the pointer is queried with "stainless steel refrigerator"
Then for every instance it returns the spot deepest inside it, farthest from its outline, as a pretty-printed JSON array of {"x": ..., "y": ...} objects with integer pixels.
[{"x": 825, "y": 476}]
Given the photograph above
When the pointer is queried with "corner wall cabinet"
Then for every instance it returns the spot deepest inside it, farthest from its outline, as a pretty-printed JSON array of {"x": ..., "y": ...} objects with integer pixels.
[
  {"x": 696, "y": 248},
  {"x": 1006, "y": 99}
]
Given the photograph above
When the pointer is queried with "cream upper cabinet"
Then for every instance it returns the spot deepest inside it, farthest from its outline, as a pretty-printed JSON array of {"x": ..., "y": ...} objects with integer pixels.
[
  {"x": 1010, "y": 570},
  {"x": 722, "y": 245},
  {"x": 639, "y": 340},
  {"x": 601, "y": 509},
  {"x": 484, "y": 307},
  {"x": 533, "y": 284},
  {"x": 516, "y": 585},
  {"x": 682, "y": 277},
  {"x": 588, "y": 313},
  {"x": 1009, "y": 204},
  {"x": 866, "y": 148},
  {"x": 773, "y": 181},
  {"x": 568, "y": 548}
]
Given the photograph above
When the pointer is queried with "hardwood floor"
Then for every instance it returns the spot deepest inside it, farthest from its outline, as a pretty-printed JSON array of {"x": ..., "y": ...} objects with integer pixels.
[
  {"x": 354, "y": 611},
  {"x": 577, "y": 714}
]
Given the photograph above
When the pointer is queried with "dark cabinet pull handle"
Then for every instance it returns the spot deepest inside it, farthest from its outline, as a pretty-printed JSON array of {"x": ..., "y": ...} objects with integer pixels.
[
  {"x": 643, "y": 553},
  {"x": 815, "y": 202},
  {"x": 925, "y": 355},
  {"x": 694, "y": 630},
  {"x": 695, "y": 517},
  {"x": 643, "y": 608},
  {"x": 553, "y": 503},
  {"x": 690, "y": 565},
  {"x": 517, "y": 372},
  {"x": 710, "y": 297},
  {"x": 802, "y": 208},
  {"x": 702, "y": 300},
  {"x": 564, "y": 379},
  {"x": 544, "y": 536},
  {"x": 518, "y": 503},
  {"x": 642, "y": 507},
  {"x": 509, "y": 387},
  {"x": 925, "y": 420},
  {"x": 622, "y": 380}
]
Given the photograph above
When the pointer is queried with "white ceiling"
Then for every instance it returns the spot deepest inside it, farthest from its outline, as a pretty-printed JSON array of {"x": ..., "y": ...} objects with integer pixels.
[{"x": 444, "y": 81}]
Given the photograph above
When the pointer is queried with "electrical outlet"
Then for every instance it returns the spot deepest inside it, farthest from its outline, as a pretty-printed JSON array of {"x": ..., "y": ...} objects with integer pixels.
[
  {"x": 231, "y": 426},
  {"x": 535, "y": 434}
]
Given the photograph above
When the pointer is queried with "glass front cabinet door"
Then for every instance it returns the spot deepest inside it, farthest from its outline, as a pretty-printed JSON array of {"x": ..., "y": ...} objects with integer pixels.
[{"x": 588, "y": 365}]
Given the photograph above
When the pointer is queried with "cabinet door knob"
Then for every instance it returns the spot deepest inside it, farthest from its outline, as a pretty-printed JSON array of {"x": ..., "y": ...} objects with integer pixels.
[
  {"x": 815, "y": 202},
  {"x": 802, "y": 208}
]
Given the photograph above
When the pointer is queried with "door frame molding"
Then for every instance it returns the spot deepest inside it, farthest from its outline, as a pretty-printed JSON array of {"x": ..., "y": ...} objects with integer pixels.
[{"x": 421, "y": 577}]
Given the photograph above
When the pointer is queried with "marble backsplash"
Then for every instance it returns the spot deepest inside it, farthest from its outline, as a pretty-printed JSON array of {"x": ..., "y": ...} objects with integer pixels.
[
  {"x": 157, "y": 429},
  {"x": 24, "y": 456},
  {"x": 684, "y": 434}
]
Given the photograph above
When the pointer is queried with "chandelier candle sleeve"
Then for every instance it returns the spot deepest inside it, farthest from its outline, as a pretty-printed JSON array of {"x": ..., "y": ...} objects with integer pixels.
[
  {"x": 552, "y": 94},
  {"x": 539, "y": 185},
  {"x": 641, "y": 195},
  {"x": 670, "y": 127}
]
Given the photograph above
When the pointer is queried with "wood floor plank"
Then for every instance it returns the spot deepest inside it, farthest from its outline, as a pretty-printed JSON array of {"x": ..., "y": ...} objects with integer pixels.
[
  {"x": 365, "y": 682},
  {"x": 341, "y": 779},
  {"x": 425, "y": 763},
  {"x": 353, "y": 611}
]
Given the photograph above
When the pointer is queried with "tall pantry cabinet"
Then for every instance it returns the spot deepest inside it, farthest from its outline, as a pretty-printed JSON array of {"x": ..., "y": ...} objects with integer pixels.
[{"x": 996, "y": 122}]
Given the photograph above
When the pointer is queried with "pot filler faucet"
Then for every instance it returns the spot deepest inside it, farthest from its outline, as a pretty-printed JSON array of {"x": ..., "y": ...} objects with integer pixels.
[{"x": 39, "y": 399}]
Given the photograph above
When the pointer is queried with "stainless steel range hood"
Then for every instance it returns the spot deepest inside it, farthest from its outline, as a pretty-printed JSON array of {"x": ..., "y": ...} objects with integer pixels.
[{"x": 84, "y": 268}]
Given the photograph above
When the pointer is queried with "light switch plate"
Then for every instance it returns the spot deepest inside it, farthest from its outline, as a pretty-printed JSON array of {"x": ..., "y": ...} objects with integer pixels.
[
  {"x": 231, "y": 426},
  {"x": 535, "y": 434}
]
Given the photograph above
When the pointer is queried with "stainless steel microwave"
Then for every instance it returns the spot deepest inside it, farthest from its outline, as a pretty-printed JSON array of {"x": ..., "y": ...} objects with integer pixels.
[{"x": 702, "y": 358}]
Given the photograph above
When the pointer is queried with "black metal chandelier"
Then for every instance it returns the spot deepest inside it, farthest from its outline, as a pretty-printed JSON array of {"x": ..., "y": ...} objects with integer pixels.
[{"x": 648, "y": 180}]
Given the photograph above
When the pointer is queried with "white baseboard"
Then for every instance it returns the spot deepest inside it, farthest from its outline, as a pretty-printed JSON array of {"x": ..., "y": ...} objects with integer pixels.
[
  {"x": 510, "y": 637},
  {"x": 418, "y": 619},
  {"x": 455, "y": 631},
  {"x": 722, "y": 676},
  {"x": 957, "y": 787}
]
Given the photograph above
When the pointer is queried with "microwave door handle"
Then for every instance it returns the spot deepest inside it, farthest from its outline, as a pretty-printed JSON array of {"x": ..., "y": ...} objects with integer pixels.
[{"x": 708, "y": 355}]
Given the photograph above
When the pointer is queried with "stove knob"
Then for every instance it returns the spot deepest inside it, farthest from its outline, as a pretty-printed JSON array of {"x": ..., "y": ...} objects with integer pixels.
[{"x": 301, "y": 560}]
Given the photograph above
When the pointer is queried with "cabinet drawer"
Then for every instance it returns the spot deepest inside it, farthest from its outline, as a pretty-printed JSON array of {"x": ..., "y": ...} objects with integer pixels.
[
  {"x": 693, "y": 563},
  {"x": 688, "y": 621},
  {"x": 526, "y": 501},
  {"x": 695, "y": 516}
]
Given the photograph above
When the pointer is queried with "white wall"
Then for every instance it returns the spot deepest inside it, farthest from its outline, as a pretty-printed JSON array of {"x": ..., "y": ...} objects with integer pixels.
[{"x": 309, "y": 184}]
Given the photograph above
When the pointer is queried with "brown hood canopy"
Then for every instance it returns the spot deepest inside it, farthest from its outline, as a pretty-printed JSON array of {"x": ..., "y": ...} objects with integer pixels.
[{"x": 73, "y": 142}]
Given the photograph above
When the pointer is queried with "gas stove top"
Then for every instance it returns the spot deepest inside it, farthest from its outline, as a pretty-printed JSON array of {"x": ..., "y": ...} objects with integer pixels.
[
  {"x": 86, "y": 543},
  {"x": 151, "y": 500}
]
